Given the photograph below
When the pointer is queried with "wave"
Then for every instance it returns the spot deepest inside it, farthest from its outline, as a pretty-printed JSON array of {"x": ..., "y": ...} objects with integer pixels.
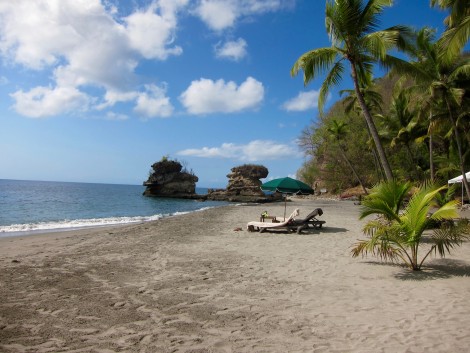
[{"x": 29, "y": 228}]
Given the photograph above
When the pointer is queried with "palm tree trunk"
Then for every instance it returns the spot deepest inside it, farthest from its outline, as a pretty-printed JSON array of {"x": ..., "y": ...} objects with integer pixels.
[
  {"x": 459, "y": 149},
  {"x": 431, "y": 159},
  {"x": 371, "y": 125},
  {"x": 410, "y": 155},
  {"x": 353, "y": 169}
]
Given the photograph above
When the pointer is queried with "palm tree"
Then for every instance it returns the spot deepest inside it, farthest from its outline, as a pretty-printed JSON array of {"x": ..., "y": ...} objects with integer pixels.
[
  {"x": 457, "y": 32},
  {"x": 338, "y": 130},
  {"x": 398, "y": 235},
  {"x": 401, "y": 126},
  {"x": 441, "y": 82},
  {"x": 374, "y": 103},
  {"x": 350, "y": 25}
]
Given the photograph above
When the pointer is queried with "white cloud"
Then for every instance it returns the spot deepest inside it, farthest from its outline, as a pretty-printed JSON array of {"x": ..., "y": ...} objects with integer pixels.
[
  {"x": 112, "y": 97},
  {"x": 233, "y": 50},
  {"x": 151, "y": 33},
  {"x": 84, "y": 46},
  {"x": 217, "y": 14},
  {"x": 221, "y": 14},
  {"x": 116, "y": 116},
  {"x": 43, "y": 101},
  {"x": 254, "y": 151},
  {"x": 153, "y": 103},
  {"x": 206, "y": 96},
  {"x": 304, "y": 101}
]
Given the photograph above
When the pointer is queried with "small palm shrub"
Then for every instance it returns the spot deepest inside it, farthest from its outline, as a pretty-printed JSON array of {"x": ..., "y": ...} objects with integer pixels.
[{"x": 396, "y": 234}]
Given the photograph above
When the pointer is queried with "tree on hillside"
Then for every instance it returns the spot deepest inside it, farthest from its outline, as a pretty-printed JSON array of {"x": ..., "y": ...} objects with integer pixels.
[
  {"x": 401, "y": 128},
  {"x": 351, "y": 26},
  {"x": 443, "y": 85},
  {"x": 338, "y": 130}
]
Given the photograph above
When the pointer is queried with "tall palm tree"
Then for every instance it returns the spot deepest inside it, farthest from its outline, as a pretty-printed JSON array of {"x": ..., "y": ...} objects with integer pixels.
[
  {"x": 457, "y": 22},
  {"x": 338, "y": 130},
  {"x": 398, "y": 233},
  {"x": 351, "y": 26},
  {"x": 441, "y": 82}
]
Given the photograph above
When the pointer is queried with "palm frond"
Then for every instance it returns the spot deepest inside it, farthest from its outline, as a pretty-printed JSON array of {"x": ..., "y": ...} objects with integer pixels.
[
  {"x": 333, "y": 78},
  {"x": 314, "y": 62},
  {"x": 449, "y": 236},
  {"x": 384, "y": 242},
  {"x": 454, "y": 39},
  {"x": 385, "y": 199},
  {"x": 446, "y": 211},
  {"x": 369, "y": 14},
  {"x": 461, "y": 71}
]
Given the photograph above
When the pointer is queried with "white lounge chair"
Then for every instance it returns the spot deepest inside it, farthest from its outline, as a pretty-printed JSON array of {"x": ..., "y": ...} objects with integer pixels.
[{"x": 263, "y": 226}]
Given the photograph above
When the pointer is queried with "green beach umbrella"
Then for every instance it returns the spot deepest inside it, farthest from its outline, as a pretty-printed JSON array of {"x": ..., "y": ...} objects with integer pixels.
[{"x": 287, "y": 186}]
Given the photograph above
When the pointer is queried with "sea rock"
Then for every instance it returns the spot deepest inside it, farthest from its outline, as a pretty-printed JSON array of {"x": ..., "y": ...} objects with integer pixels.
[
  {"x": 244, "y": 185},
  {"x": 168, "y": 179}
]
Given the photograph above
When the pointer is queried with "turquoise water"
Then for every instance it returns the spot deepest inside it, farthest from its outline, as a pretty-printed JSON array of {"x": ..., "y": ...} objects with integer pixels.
[{"x": 34, "y": 206}]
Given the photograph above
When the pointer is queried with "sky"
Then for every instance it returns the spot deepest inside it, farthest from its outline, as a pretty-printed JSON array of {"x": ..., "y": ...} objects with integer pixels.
[{"x": 99, "y": 90}]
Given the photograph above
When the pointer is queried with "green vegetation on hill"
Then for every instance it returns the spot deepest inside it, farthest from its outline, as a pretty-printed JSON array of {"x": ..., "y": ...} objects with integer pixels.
[{"x": 420, "y": 109}]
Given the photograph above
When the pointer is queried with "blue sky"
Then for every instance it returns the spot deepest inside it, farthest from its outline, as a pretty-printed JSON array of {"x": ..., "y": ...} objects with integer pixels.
[{"x": 97, "y": 91}]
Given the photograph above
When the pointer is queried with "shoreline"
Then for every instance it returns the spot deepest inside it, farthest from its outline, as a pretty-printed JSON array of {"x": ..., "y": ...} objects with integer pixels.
[
  {"x": 88, "y": 223},
  {"x": 194, "y": 283}
]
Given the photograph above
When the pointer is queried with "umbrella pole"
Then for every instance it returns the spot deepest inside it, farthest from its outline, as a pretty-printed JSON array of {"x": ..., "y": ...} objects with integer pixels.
[{"x": 285, "y": 206}]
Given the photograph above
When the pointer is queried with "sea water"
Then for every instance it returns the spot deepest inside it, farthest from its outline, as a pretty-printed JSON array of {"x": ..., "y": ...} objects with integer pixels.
[{"x": 28, "y": 207}]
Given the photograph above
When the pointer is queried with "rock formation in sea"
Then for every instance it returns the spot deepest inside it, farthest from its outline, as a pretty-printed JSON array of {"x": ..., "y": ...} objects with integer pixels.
[
  {"x": 243, "y": 185},
  {"x": 170, "y": 179}
]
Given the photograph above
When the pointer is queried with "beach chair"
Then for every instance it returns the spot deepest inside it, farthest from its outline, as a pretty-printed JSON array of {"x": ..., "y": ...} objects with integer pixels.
[
  {"x": 310, "y": 221},
  {"x": 263, "y": 226}
]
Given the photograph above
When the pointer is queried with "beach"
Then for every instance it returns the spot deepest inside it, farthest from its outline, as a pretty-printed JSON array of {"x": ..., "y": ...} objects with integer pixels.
[{"x": 197, "y": 283}]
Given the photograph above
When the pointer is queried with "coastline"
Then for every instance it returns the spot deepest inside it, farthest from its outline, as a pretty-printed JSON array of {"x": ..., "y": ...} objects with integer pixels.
[
  {"x": 193, "y": 283},
  {"x": 60, "y": 227}
]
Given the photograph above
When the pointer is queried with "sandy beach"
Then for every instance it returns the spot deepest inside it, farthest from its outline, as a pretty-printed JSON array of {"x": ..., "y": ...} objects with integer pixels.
[{"x": 195, "y": 283}]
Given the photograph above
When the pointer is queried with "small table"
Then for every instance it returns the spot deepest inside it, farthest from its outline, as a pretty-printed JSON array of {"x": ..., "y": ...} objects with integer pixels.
[{"x": 272, "y": 218}]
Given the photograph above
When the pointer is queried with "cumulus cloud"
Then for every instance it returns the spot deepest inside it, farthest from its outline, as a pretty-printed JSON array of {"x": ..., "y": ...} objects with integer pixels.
[
  {"x": 254, "y": 151},
  {"x": 152, "y": 33},
  {"x": 83, "y": 45},
  {"x": 221, "y": 14},
  {"x": 233, "y": 50},
  {"x": 91, "y": 52},
  {"x": 41, "y": 102},
  {"x": 153, "y": 103},
  {"x": 217, "y": 14},
  {"x": 304, "y": 101},
  {"x": 206, "y": 96}
]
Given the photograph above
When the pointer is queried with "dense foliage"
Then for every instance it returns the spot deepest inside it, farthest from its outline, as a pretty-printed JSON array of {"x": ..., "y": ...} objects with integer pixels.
[{"x": 420, "y": 109}]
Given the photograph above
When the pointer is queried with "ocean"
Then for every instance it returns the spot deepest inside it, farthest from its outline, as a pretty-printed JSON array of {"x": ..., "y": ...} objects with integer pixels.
[{"x": 29, "y": 207}]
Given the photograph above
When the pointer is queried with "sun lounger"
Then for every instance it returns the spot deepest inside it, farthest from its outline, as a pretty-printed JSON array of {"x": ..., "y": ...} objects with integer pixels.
[
  {"x": 309, "y": 221},
  {"x": 263, "y": 226}
]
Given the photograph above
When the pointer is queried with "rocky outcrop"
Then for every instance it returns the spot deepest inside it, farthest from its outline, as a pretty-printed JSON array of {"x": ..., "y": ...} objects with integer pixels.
[
  {"x": 243, "y": 186},
  {"x": 168, "y": 179}
]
